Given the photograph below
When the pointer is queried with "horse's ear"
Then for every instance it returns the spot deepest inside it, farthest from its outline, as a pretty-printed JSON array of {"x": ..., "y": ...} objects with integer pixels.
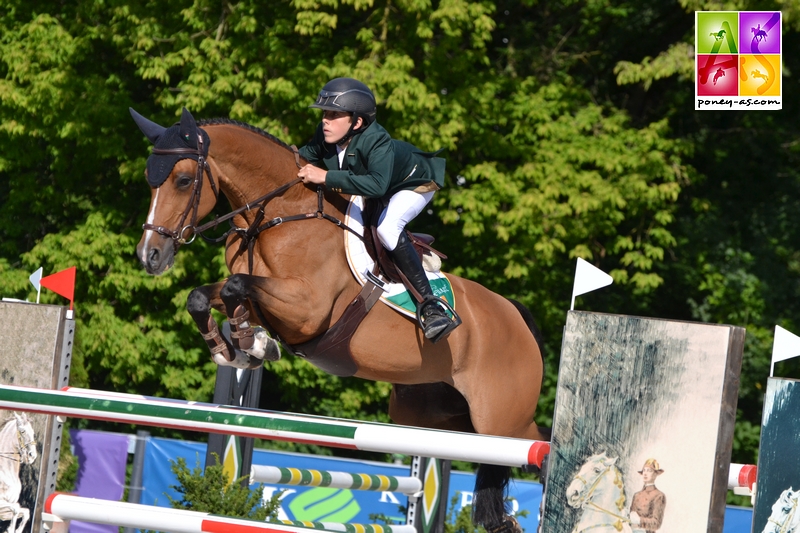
[
  {"x": 188, "y": 128},
  {"x": 151, "y": 130}
]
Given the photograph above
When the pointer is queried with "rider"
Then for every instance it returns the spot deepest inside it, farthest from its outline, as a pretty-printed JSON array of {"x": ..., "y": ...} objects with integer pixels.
[{"x": 351, "y": 153}]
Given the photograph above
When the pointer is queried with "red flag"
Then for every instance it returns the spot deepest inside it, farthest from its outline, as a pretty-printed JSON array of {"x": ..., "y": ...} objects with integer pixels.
[{"x": 62, "y": 283}]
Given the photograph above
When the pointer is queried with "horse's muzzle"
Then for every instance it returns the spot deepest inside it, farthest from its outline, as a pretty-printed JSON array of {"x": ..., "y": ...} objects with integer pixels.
[{"x": 156, "y": 259}]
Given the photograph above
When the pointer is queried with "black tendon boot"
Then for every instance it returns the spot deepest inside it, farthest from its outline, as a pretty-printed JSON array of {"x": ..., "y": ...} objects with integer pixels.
[{"x": 432, "y": 317}]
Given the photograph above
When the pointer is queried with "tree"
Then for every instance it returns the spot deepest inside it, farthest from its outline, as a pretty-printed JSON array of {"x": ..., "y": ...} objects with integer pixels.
[{"x": 564, "y": 139}]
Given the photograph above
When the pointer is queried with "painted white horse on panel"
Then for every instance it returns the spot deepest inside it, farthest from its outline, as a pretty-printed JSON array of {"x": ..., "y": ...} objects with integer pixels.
[
  {"x": 17, "y": 447},
  {"x": 784, "y": 518},
  {"x": 598, "y": 490}
]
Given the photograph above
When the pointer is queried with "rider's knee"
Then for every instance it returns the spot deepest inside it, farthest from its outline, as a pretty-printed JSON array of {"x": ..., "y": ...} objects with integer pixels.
[{"x": 389, "y": 233}]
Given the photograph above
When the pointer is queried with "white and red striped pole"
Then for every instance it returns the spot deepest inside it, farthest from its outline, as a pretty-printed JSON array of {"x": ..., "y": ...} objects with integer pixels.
[
  {"x": 742, "y": 476},
  {"x": 65, "y": 507}
]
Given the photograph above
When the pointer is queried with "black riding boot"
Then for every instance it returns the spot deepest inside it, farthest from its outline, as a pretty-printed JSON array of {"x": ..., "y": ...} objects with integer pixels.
[{"x": 433, "y": 319}]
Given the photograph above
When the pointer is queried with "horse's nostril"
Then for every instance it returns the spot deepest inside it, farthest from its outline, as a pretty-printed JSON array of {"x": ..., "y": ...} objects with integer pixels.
[{"x": 153, "y": 257}]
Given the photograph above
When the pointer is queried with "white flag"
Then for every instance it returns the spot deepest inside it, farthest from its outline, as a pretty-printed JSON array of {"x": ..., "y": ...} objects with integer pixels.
[
  {"x": 785, "y": 346},
  {"x": 35, "y": 280},
  {"x": 587, "y": 279}
]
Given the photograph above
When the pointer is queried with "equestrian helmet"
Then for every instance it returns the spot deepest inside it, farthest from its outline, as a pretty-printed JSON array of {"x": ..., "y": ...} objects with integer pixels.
[{"x": 349, "y": 95}]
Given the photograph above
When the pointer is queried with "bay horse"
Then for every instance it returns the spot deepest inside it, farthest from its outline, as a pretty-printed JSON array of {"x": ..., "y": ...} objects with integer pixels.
[
  {"x": 17, "y": 447},
  {"x": 289, "y": 273}
]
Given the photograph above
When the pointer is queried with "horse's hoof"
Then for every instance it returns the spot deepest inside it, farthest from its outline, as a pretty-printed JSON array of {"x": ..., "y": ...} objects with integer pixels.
[
  {"x": 264, "y": 347},
  {"x": 240, "y": 360}
]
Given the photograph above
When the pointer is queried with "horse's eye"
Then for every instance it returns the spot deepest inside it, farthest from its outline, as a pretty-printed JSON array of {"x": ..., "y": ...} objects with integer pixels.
[{"x": 182, "y": 182}]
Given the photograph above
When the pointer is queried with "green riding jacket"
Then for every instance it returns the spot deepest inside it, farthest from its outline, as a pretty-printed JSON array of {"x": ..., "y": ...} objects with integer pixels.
[{"x": 376, "y": 165}]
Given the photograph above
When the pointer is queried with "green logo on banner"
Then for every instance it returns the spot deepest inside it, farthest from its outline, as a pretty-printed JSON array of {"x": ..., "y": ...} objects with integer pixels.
[{"x": 324, "y": 504}]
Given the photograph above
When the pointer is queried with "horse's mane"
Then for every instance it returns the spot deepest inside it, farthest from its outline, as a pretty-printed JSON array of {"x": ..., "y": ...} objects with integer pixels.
[{"x": 244, "y": 125}]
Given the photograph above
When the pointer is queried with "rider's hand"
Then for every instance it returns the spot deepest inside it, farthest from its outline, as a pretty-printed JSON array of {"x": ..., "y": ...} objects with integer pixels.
[
  {"x": 312, "y": 174},
  {"x": 635, "y": 518}
]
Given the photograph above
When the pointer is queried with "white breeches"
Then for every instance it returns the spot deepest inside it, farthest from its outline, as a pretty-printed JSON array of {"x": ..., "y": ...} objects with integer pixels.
[{"x": 403, "y": 207}]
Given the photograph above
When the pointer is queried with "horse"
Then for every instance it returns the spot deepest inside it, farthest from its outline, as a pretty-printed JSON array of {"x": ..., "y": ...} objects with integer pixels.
[
  {"x": 784, "y": 517},
  {"x": 717, "y": 36},
  {"x": 758, "y": 33},
  {"x": 289, "y": 274},
  {"x": 17, "y": 447},
  {"x": 598, "y": 490}
]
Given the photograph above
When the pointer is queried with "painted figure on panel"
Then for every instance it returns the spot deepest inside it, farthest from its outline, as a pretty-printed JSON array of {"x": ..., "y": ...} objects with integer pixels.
[
  {"x": 784, "y": 517},
  {"x": 647, "y": 506},
  {"x": 598, "y": 490},
  {"x": 17, "y": 447}
]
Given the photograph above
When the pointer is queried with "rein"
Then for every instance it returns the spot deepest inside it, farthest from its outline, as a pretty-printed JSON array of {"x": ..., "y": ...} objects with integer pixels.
[
  {"x": 21, "y": 448},
  {"x": 593, "y": 506},
  {"x": 248, "y": 235}
]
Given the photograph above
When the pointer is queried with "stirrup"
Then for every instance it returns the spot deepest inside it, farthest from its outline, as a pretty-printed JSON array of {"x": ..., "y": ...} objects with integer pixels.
[{"x": 455, "y": 320}]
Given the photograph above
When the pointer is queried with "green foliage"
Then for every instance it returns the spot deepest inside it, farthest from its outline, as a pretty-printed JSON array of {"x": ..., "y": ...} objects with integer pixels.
[
  {"x": 569, "y": 132},
  {"x": 460, "y": 522},
  {"x": 68, "y": 465},
  {"x": 213, "y": 492}
]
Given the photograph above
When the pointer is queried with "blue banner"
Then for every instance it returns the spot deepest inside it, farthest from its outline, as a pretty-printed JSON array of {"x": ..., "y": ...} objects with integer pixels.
[{"x": 325, "y": 504}]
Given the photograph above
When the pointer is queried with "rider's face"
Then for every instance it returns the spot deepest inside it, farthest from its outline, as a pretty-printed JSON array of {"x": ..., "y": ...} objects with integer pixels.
[
  {"x": 648, "y": 475},
  {"x": 335, "y": 125}
]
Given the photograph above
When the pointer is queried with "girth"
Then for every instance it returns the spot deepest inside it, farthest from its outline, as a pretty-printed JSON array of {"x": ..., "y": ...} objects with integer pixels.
[{"x": 330, "y": 351}]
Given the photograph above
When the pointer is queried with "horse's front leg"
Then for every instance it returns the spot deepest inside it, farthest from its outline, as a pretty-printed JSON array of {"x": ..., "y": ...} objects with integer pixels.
[
  {"x": 199, "y": 304},
  {"x": 244, "y": 336},
  {"x": 12, "y": 510},
  {"x": 24, "y": 515}
]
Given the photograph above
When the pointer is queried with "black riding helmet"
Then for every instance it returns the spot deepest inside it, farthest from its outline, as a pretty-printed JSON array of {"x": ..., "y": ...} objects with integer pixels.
[{"x": 350, "y": 96}]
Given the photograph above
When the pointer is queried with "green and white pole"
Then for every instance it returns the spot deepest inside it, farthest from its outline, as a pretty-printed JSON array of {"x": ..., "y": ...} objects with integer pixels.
[{"x": 273, "y": 425}]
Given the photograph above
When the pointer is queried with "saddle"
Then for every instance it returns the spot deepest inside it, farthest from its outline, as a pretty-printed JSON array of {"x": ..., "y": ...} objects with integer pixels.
[
  {"x": 422, "y": 242},
  {"x": 330, "y": 351}
]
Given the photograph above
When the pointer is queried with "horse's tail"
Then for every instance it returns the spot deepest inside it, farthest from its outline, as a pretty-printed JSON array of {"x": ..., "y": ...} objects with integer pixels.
[
  {"x": 527, "y": 316},
  {"x": 489, "y": 502}
]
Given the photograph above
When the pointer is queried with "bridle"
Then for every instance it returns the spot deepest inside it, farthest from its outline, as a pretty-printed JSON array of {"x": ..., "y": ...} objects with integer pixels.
[
  {"x": 22, "y": 445},
  {"x": 585, "y": 499},
  {"x": 783, "y": 527},
  {"x": 249, "y": 234},
  {"x": 178, "y": 235}
]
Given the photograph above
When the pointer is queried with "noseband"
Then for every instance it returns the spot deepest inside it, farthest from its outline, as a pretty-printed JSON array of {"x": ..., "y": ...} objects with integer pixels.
[{"x": 178, "y": 235}]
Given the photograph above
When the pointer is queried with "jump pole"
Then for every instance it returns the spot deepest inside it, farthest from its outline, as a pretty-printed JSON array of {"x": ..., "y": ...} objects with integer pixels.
[
  {"x": 740, "y": 475},
  {"x": 409, "y": 486},
  {"x": 273, "y": 425},
  {"x": 63, "y": 507}
]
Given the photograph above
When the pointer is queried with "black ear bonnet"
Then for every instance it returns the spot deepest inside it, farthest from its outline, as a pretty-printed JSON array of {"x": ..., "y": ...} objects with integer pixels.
[{"x": 181, "y": 135}]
